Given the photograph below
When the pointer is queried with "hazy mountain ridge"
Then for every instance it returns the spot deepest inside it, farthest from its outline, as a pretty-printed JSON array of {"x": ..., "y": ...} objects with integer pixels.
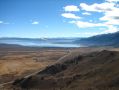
[{"x": 111, "y": 39}]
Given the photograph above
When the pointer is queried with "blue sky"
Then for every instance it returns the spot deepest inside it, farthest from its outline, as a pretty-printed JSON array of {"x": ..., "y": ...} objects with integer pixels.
[{"x": 58, "y": 18}]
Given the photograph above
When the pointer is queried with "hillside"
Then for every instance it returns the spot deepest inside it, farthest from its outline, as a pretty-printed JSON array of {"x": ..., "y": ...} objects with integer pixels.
[
  {"x": 97, "y": 70},
  {"x": 111, "y": 39}
]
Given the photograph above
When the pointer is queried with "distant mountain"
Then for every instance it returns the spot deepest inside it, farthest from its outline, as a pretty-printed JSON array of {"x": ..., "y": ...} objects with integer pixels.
[
  {"x": 111, "y": 39},
  {"x": 43, "y": 42}
]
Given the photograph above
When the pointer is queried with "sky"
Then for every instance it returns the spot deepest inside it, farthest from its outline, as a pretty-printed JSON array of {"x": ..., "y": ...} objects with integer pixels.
[{"x": 58, "y": 18}]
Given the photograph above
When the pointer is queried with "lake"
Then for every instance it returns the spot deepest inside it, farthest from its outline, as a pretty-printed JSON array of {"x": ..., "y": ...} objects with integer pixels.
[{"x": 45, "y": 43}]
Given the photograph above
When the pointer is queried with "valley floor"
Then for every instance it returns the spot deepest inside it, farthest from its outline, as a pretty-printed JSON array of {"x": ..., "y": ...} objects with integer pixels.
[
  {"x": 16, "y": 63},
  {"x": 19, "y": 63}
]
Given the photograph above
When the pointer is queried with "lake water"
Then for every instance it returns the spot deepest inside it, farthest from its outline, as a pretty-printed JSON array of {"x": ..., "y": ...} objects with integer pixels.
[
  {"x": 52, "y": 45},
  {"x": 40, "y": 44}
]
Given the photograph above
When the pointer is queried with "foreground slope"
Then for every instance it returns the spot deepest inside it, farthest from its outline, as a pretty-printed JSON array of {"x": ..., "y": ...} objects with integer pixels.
[{"x": 90, "y": 71}]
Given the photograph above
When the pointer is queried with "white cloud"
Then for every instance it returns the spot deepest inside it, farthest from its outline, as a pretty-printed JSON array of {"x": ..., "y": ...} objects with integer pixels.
[
  {"x": 109, "y": 9},
  {"x": 97, "y": 7},
  {"x": 110, "y": 19},
  {"x": 111, "y": 29},
  {"x": 82, "y": 24},
  {"x": 35, "y": 22},
  {"x": 71, "y": 8},
  {"x": 86, "y": 13},
  {"x": 110, "y": 12},
  {"x": 70, "y": 15}
]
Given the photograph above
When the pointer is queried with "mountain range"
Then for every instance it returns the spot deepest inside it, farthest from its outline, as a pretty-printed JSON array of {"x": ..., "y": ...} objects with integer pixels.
[{"x": 111, "y": 39}]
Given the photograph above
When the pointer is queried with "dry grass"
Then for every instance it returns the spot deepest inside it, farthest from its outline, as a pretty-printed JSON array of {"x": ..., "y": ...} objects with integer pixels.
[
  {"x": 14, "y": 64},
  {"x": 82, "y": 69},
  {"x": 90, "y": 71}
]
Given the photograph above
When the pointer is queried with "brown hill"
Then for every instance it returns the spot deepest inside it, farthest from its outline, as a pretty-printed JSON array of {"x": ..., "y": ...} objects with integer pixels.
[{"x": 90, "y": 71}]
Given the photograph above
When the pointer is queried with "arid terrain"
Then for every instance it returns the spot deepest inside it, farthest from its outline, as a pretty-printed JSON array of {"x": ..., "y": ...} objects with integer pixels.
[
  {"x": 18, "y": 62},
  {"x": 60, "y": 68}
]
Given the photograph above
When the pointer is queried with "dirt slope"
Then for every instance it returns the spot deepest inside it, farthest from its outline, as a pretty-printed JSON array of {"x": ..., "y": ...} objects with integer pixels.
[{"x": 90, "y": 71}]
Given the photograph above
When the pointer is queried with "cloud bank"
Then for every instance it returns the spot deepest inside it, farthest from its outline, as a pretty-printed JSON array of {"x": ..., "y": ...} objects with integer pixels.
[{"x": 109, "y": 18}]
